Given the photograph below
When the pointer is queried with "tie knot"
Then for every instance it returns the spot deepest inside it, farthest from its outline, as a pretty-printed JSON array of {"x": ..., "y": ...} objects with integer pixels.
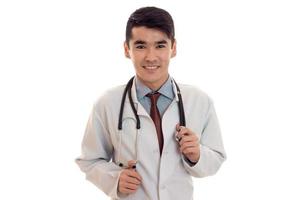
[{"x": 153, "y": 96}]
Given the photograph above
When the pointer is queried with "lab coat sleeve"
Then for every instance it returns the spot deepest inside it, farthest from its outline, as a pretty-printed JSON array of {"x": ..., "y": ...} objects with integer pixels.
[
  {"x": 212, "y": 153},
  {"x": 95, "y": 159}
]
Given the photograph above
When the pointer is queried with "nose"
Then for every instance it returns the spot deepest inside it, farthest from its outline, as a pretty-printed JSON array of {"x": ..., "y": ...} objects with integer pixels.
[{"x": 150, "y": 55}]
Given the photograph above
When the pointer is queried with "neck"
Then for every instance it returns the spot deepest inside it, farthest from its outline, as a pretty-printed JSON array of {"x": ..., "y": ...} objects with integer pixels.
[{"x": 154, "y": 86}]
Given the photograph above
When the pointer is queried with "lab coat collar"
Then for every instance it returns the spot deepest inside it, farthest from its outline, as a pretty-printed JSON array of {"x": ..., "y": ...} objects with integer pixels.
[
  {"x": 166, "y": 89},
  {"x": 133, "y": 91},
  {"x": 174, "y": 89},
  {"x": 140, "y": 109},
  {"x": 134, "y": 94}
]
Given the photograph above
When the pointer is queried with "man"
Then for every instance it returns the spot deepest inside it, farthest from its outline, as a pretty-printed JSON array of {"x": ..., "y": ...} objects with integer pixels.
[{"x": 153, "y": 152}]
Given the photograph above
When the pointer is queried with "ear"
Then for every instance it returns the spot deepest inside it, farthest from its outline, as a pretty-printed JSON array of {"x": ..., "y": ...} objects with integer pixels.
[
  {"x": 126, "y": 50},
  {"x": 174, "y": 49}
]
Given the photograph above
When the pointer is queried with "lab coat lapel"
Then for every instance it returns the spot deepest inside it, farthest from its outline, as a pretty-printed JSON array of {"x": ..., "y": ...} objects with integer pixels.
[
  {"x": 171, "y": 118},
  {"x": 128, "y": 112},
  {"x": 140, "y": 109},
  {"x": 175, "y": 90}
]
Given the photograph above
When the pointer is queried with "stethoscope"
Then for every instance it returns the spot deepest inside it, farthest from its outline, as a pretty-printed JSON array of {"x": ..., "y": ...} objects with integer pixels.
[{"x": 127, "y": 90}]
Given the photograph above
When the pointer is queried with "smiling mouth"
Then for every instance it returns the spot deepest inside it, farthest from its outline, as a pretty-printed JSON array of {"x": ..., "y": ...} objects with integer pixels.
[{"x": 151, "y": 67}]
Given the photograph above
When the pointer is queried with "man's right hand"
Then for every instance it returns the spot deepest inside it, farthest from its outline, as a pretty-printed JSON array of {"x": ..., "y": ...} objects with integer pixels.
[{"x": 129, "y": 181}]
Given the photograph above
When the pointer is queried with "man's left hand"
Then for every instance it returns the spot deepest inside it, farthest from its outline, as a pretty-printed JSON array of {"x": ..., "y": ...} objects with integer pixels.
[{"x": 189, "y": 143}]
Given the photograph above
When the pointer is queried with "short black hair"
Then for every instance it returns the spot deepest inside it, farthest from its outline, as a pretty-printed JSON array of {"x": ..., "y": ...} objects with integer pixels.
[{"x": 151, "y": 17}]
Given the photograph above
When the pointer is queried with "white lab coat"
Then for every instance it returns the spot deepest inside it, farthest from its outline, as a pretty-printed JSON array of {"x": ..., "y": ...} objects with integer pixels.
[{"x": 163, "y": 178}]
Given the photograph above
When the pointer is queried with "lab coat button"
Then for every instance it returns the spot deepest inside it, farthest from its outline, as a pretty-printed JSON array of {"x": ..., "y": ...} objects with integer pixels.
[{"x": 163, "y": 187}]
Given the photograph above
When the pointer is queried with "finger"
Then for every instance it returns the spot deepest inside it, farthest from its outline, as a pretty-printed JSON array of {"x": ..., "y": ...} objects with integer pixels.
[
  {"x": 125, "y": 177},
  {"x": 176, "y": 134},
  {"x": 183, "y": 131},
  {"x": 133, "y": 174},
  {"x": 132, "y": 164},
  {"x": 188, "y": 138},
  {"x": 178, "y": 127},
  {"x": 130, "y": 186},
  {"x": 131, "y": 180},
  {"x": 125, "y": 190},
  {"x": 187, "y": 145},
  {"x": 126, "y": 181},
  {"x": 122, "y": 187},
  {"x": 136, "y": 175},
  {"x": 179, "y": 134},
  {"x": 190, "y": 150}
]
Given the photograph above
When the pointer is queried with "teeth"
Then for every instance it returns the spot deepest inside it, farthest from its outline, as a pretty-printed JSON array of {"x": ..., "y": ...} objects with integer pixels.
[{"x": 151, "y": 67}]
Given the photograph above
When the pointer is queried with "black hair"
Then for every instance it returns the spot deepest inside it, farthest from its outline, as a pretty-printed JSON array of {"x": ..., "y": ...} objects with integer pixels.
[{"x": 151, "y": 17}]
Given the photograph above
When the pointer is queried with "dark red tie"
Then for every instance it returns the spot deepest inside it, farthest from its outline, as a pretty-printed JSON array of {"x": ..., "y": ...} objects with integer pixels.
[{"x": 154, "y": 113}]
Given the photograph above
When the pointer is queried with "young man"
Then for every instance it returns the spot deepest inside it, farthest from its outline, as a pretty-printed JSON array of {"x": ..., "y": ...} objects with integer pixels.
[{"x": 165, "y": 134}]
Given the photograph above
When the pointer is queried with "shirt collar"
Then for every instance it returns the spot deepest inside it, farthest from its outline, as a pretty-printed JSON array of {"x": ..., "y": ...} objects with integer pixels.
[{"x": 166, "y": 89}]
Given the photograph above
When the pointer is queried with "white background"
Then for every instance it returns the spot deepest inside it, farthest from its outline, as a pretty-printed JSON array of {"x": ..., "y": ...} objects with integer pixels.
[{"x": 57, "y": 57}]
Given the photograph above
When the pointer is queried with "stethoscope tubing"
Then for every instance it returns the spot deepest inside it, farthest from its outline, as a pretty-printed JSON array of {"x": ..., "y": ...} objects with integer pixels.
[{"x": 127, "y": 91}]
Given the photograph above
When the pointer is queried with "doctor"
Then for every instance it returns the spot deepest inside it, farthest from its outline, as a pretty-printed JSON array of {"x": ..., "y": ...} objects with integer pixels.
[{"x": 157, "y": 158}]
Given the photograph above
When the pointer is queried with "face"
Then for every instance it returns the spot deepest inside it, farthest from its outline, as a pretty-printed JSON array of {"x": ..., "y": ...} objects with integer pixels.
[{"x": 150, "y": 51}]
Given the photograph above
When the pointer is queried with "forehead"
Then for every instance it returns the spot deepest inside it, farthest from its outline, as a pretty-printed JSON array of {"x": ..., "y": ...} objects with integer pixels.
[{"x": 148, "y": 35}]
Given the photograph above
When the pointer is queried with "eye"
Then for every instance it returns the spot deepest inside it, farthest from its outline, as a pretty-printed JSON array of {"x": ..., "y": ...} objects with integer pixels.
[
  {"x": 140, "y": 47},
  {"x": 160, "y": 46}
]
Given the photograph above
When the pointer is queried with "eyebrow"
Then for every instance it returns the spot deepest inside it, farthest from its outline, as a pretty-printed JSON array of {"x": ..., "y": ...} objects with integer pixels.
[
  {"x": 139, "y": 42},
  {"x": 144, "y": 42},
  {"x": 161, "y": 42}
]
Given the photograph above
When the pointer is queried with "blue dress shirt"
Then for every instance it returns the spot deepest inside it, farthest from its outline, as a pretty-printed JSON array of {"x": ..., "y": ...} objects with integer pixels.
[{"x": 164, "y": 100}]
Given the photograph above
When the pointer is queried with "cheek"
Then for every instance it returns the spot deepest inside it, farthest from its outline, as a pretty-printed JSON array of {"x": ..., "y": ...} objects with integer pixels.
[
  {"x": 133, "y": 58},
  {"x": 165, "y": 60},
  {"x": 166, "y": 56},
  {"x": 136, "y": 63},
  {"x": 136, "y": 57}
]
